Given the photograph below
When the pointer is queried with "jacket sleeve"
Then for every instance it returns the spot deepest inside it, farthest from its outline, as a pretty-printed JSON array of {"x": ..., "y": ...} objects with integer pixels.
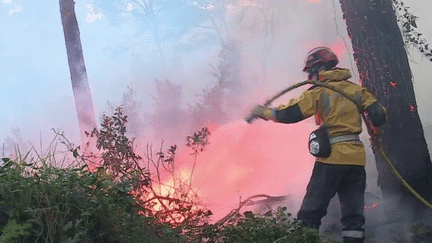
[
  {"x": 298, "y": 109},
  {"x": 376, "y": 112}
]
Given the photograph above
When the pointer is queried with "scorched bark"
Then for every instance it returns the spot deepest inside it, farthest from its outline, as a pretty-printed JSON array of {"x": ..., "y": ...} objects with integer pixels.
[{"x": 384, "y": 69}]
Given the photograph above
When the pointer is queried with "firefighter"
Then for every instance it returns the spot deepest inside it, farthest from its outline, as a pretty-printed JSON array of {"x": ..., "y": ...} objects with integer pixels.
[{"x": 340, "y": 155}]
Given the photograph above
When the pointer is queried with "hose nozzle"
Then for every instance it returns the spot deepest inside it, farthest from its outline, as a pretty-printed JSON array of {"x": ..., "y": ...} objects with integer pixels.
[{"x": 249, "y": 119}]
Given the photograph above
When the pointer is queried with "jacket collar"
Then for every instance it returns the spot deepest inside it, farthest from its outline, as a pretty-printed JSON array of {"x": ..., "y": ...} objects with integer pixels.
[{"x": 335, "y": 74}]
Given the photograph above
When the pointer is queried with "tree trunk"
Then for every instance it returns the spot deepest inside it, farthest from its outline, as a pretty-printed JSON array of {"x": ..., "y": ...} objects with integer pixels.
[
  {"x": 80, "y": 86},
  {"x": 151, "y": 13},
  {"x": 384, "y": 69}
]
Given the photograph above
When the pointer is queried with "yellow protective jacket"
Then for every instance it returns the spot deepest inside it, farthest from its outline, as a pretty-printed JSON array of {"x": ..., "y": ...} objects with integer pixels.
[{"x": 336, "y": 113}]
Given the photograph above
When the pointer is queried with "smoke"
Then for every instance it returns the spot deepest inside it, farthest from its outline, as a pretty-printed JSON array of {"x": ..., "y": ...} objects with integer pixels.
[
  {"x": 267, "y": 55},
  {"x": 243, "y": 160}
]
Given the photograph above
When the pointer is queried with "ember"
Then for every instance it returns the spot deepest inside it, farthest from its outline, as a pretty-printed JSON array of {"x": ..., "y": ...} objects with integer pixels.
[
  {"x": 374, "y": 205},
  {"x": 412, "y": 108}
]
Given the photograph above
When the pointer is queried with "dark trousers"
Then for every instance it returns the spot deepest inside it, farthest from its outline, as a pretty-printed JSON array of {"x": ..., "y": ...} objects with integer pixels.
[{"x": 348, "y": 181}]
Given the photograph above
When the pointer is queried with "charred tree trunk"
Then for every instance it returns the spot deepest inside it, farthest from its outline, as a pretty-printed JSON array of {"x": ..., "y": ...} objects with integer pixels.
[
  {"x": 80, "y": 86},
  {"x": 384, "y": 69}
]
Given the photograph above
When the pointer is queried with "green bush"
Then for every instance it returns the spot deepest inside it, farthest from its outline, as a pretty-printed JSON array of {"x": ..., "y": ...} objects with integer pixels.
[
  {"x": 48, "y": 204},
  {"x": 272, "y": 227},
  {"x": 14, "y": 232}
]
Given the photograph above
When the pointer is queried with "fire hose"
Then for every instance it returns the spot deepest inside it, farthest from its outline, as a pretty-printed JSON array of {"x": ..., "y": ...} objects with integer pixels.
[{"x": 374, "y": 139}]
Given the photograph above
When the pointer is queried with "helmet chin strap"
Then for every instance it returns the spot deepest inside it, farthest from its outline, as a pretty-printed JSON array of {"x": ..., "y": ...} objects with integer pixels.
[
  {"x": 313, "y": 72},
  {"x": 313, "y": 76}
]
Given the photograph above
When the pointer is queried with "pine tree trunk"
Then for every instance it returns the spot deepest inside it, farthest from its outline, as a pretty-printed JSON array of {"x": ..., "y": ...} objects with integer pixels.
[
  {"x": 384, "y": 69},
  {"x": 80, "y": 86}
]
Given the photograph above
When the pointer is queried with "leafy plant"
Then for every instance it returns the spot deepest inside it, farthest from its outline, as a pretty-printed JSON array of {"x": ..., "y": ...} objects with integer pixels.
[
  {"x": 179, "y": 206},
  {"x": 14, "y": 232},
  {"x": 273, "y": 226},
  {"x": 408, "y": 25},
  {"x": 118, "y": 156},
  {"x": 43, "y": 203}
]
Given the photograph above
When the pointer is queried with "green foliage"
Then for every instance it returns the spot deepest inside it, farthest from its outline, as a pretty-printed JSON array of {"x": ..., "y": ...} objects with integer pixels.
[
  {"x": 408, "y": 25},
  {"x": 14, "y": 232},
  {"x": 179, "y": 207},
  {"x": 274, "y": 226},
  {"x": 118, "y": 156},
  {"x": 49, "y": 204},
  {"x": 198, "y": 141}
]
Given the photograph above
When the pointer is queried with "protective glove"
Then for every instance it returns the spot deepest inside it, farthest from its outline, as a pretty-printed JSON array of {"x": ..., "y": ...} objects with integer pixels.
[{"x": 264, "y": 113}]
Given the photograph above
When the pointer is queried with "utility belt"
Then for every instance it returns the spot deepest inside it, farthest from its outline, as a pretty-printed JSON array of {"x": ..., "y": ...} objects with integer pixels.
[{"x": 320, "y": 143}]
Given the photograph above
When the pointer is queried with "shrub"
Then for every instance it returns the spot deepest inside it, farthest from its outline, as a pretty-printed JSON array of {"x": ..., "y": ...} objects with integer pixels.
[
  {"x": 274, "y": 226},
  {"x": 48, "y": 204}
]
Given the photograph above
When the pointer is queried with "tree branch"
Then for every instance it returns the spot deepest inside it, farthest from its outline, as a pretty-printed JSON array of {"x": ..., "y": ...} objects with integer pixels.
[{"x": 248, "y": 202}]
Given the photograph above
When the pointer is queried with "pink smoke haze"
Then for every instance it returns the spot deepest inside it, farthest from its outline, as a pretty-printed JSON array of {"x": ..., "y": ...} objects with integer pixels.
[
  {"x": 338, "y": 47},
  {"x": 246, "y": 159}
]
